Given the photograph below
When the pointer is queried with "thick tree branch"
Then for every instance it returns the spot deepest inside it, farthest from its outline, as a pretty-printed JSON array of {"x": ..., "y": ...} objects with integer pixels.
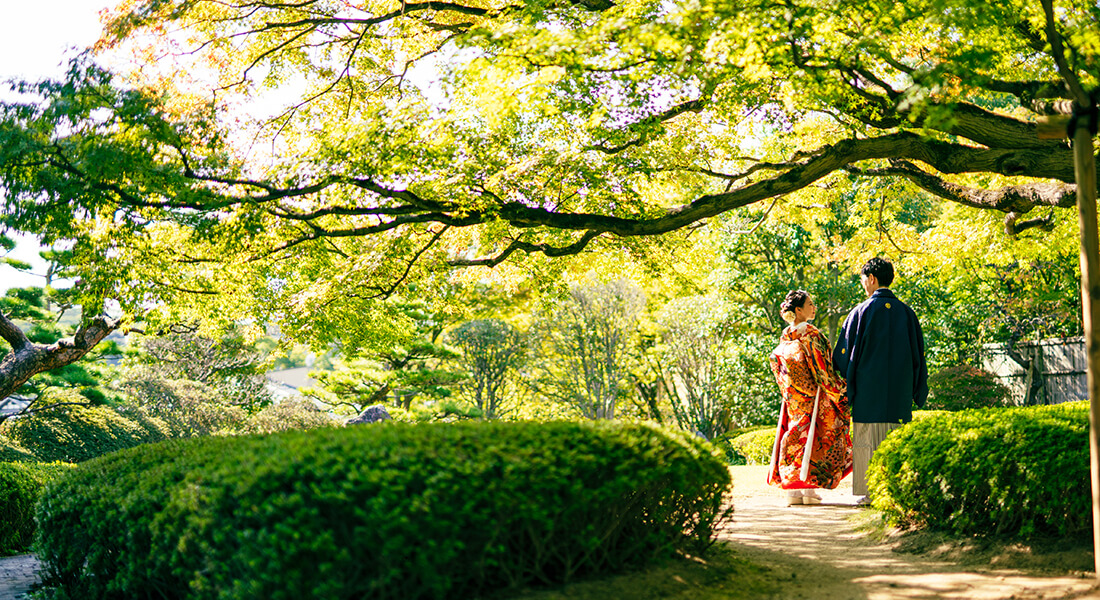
[
  {"x": 949, "y": 158},
  {"x": 31, "y": 359},
  {"x": 1016, "y": 199},
  {"x": 1028, "y": 90},
  {"x": 406, "y": 9},
  {"x": 571, "y": 249},
  {"x": 1013, "y": 226},
  {"x": 966, "y": 120},
  {"x": 945, "y": 157},
  {"x": 994, "y": 130},
  {"x": 12, "y": 334}
]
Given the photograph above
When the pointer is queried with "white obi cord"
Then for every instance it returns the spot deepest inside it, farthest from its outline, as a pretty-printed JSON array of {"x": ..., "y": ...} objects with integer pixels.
[
  {"x": 810, "y": 439},
  {"x": 778, "y": 431}
]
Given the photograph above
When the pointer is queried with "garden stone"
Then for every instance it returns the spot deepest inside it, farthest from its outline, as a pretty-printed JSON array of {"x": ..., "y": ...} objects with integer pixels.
[{"x": 371, "y": 414}]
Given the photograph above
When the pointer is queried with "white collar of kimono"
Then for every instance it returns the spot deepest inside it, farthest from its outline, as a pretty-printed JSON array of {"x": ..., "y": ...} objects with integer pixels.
[{"x": 801, "y": 326}]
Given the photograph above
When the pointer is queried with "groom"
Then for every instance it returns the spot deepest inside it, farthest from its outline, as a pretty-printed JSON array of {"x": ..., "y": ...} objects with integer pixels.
[{"x": 880, "y": 352}]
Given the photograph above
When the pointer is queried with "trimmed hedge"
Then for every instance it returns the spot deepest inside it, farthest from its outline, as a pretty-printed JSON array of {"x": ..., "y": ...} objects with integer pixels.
[
  {"x": 962, "y": 386},
  {"x": 1009, "y": 471},
  {"x": 380, "y": 511},
  {"x": 756, "y": 445},
  {"x": 21, "y": 484},
  {"x": 78, "y": 433},
  {"x": 11, "y": 451}
]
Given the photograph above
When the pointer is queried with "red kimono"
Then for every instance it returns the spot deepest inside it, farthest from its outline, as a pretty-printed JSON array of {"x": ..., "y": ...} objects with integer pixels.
[{"x": 803, "y": 367}]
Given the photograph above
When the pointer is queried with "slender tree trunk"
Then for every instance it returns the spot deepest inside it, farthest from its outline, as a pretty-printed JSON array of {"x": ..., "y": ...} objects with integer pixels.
[
  {"x": 1085, "y": 164},
  {"x": 650, "y": 394}
]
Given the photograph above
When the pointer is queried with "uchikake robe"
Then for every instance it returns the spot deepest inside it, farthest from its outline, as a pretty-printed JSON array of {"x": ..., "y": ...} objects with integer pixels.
[{"x": 802, "y": 364}]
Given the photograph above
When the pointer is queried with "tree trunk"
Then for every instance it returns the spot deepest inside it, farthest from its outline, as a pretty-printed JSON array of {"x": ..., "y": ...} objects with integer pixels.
[
  {"x": 1090, "y": 300},
  {"x": 650, "y": 394}
]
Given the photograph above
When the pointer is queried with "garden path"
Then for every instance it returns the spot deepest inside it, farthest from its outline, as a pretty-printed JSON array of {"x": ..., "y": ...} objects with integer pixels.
[{"x": 831, "y": 552}]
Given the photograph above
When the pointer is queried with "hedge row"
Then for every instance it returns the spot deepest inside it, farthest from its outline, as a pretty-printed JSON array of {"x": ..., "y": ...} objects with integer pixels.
[
  {"x": 755, "y": 445},
  {"x": 80, "y": 433},
  {"x": 11, "y": 451},
  {"x": 21, "y": 484},
  {"x": 391, "y": 511},
  {"x": 1011, "y": 471}
]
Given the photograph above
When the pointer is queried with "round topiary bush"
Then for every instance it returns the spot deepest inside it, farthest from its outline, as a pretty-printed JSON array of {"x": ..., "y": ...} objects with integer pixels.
[
  {"x": 10, "y": 451},
  {"x": 962, "y": 386},
  {"x": 21, "y": 484},
  {"x": 379, "y": 511},
  {"x": 79, "y": 433},
  {"x": 1010, "y": 471},
  {"x": 755, "y": 445}
]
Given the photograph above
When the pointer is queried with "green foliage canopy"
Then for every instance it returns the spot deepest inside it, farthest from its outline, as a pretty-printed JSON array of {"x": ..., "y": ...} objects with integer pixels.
[{"x": 407, "y": 138}]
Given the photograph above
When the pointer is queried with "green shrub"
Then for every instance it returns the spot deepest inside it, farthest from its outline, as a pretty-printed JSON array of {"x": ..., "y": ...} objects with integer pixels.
[
  {"x": 79, "y": 433},
  {"x": 152, "y": 428},
  {"x": 10, "y": 451},
  {"x": 380, "y": 511},
  {"x": 756, "y": 445},
  {"x": 962, "y": 386},
  {"x": 189, "y": 408},
  {"x": 21, "y": 484},
  {"x": 1010, "y": 471},
  {"x": 920, "y": 415},
  {"x": 734, "y": 455},
  {"x": 290, "y": 414}
]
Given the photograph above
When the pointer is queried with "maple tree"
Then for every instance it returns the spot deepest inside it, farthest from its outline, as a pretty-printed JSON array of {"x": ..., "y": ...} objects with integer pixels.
[{"x": 302, "y": 163}]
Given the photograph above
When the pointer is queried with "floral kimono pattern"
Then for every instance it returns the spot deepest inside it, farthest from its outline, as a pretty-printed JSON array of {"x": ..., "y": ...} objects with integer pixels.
[{"x": 803, "y": 369}]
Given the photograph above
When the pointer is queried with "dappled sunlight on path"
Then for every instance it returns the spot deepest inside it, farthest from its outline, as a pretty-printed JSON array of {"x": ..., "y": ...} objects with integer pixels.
[{"x": 820, "y": 552}]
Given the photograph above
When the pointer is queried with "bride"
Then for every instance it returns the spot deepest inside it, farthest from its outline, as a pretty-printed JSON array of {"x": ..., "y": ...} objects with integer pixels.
[{"x": 813, "y": 443}]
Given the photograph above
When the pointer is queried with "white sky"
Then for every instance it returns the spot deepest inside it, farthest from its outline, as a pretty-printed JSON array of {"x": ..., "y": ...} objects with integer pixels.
[{"x": 37, "y": 37}]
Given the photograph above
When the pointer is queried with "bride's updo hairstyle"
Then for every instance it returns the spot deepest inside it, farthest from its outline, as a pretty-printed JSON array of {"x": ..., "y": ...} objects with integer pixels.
[{"x": 795, "y": 299}]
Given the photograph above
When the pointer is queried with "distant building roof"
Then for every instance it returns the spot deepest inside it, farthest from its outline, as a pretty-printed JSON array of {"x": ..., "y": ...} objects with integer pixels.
[{"x": 13, "y": 404}]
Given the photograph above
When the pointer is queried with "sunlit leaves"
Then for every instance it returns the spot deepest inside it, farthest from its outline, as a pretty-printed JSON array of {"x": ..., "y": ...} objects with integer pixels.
[{"x": 303, "y": 164}]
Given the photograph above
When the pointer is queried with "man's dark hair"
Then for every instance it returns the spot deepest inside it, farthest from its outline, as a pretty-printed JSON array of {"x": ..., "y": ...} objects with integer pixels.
[{"x": 882, "y": 269}]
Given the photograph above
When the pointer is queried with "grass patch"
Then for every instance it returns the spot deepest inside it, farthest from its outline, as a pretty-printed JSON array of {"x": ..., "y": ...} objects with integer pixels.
[{"x": 872, "y": 525}]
